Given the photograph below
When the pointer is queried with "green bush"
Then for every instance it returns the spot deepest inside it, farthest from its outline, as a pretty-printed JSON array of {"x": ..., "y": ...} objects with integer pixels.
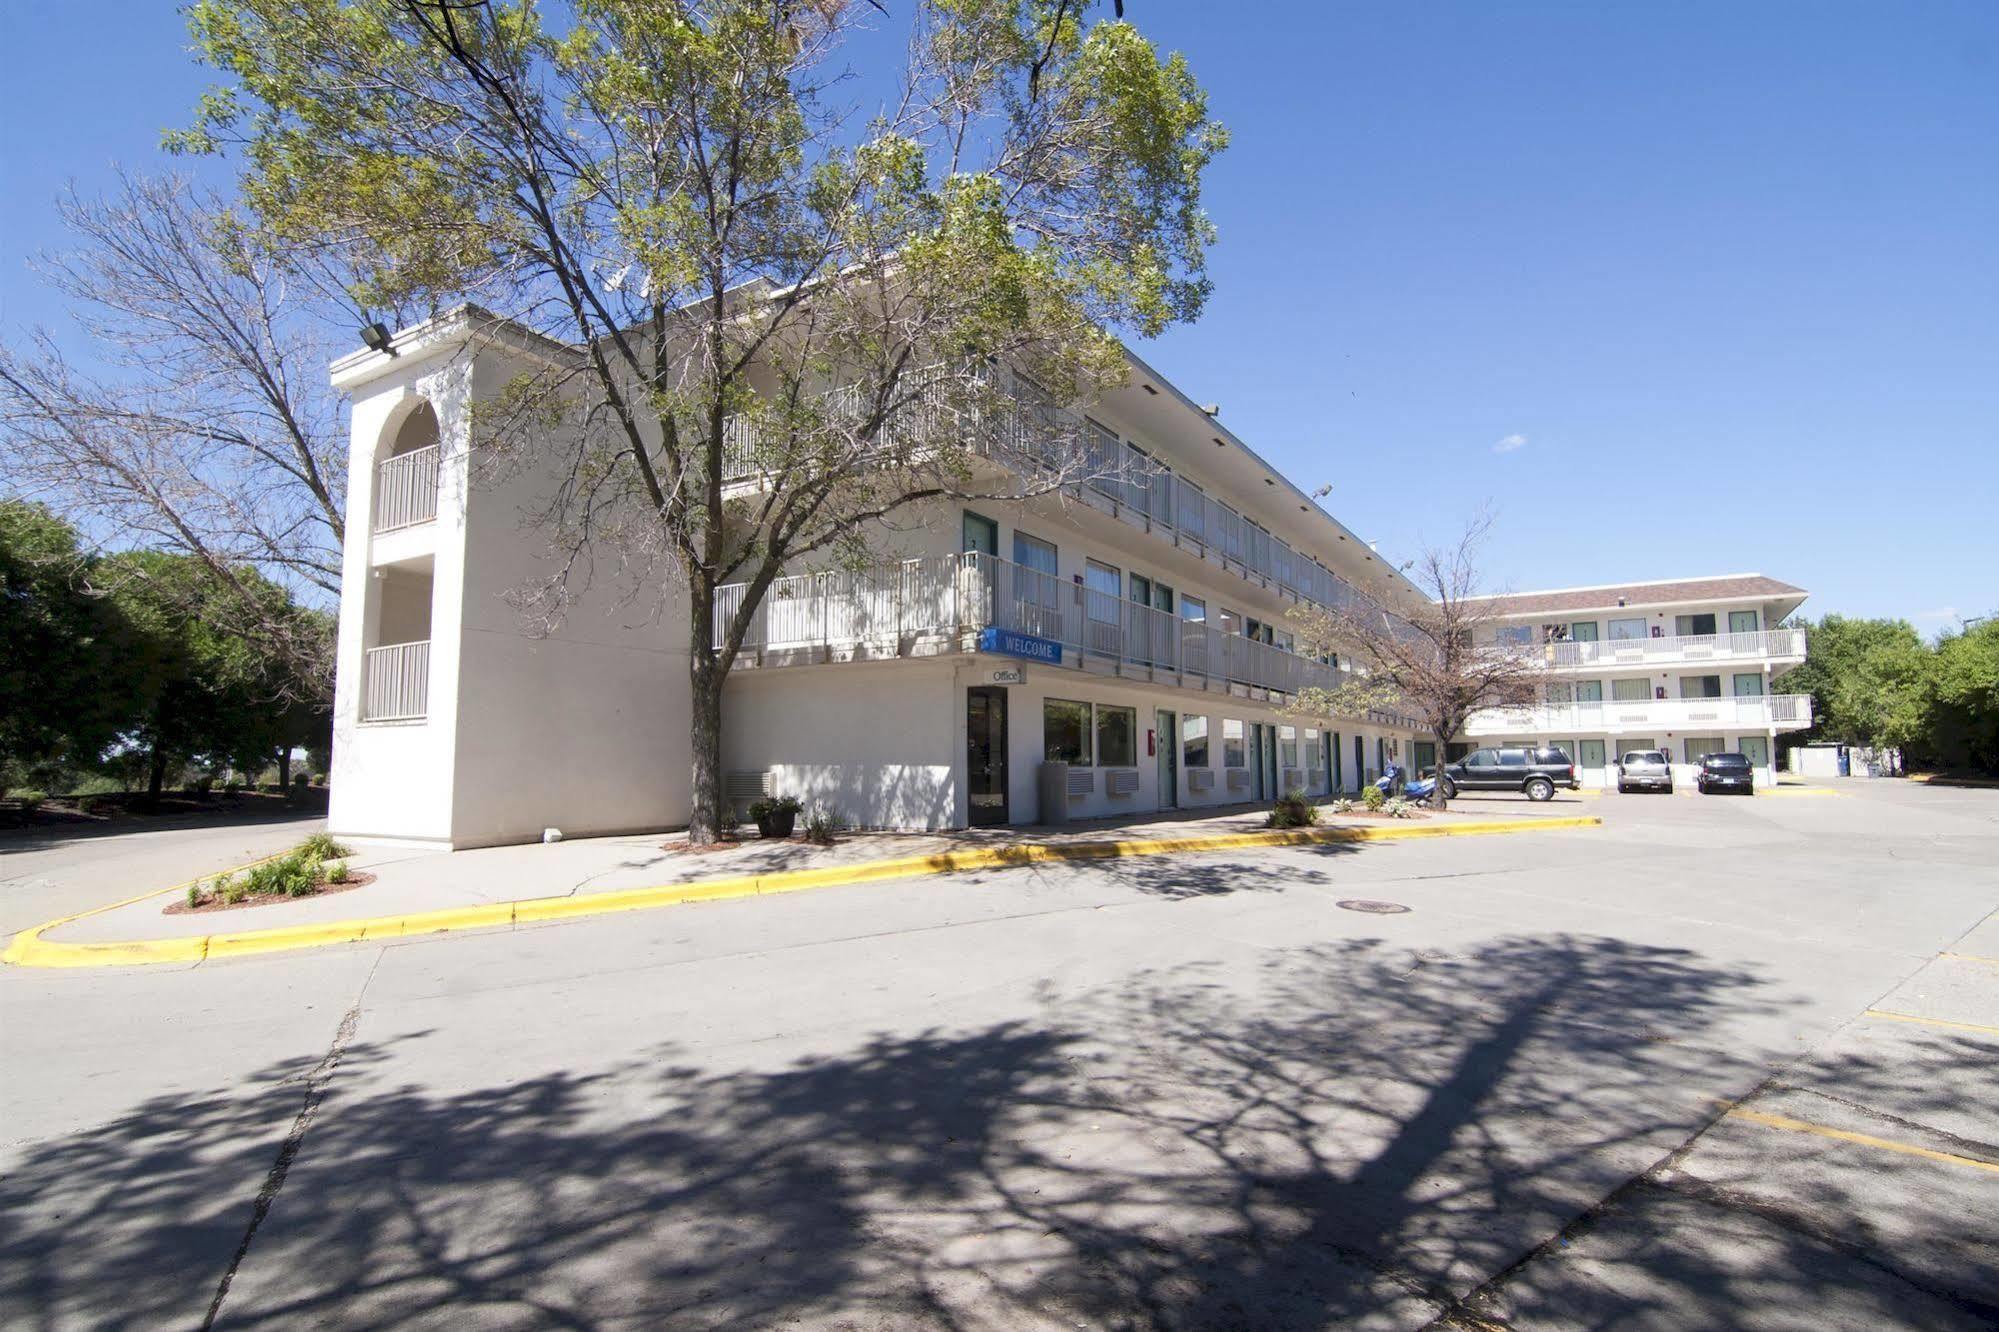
[
  {"x": 1294, "y": 809},
  {"x": 1372, "y": 797},
  {"x": 822, "y": 826},
  {"x": 320, "y": 846},
  {"x": 1343, "y": 805},
  {"x": 234, "y": 891},
  {"x": 193, "y": 895},
  {"x": 770, "y": 805},
  {"x": 337, "y": 872},
  {"x": 1399, "y": 808}
]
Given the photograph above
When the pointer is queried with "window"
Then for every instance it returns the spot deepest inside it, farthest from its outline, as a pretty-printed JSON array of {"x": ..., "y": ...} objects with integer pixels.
[
  {"x": 1624, "y": 629},
  {"x": 1232, "y": 751},
  {"x": 981, "y": 534},
  {"x": 1423, "y": 753},
  {"x": 1583, "y": 631},
  {"x": 1287, "y": 746},
  {"x": 1700, "y": 686},
  {"x": 1749, "y": 684},
  {"x": 1742, "y": 622},
  {"x": 1037, "y": 590},
  {"x": 1065, "y": 732},
  {"x": 1103, "y": 580},
  {"x": 1589, "y": 691},
  {"x": 1103, "y": 598},
  {"x": 1636, "y": 747},
  {"x": 1630, "y": 691},
  {"x": 1285, "y": 641},
  {"x": 1312, "y": 755},
  {"x": 1561, "y": 693},
  {"x": 1514, "y": 635},
  {"x": 1033, "y": 553},
  {"x": 1231, "y": 622},
  {"x": 1194, "y": 742},
  {"x": 1512, "y": 758},
  {"x": 1117, "y": 737},
  {"x": 1687, "y": 625},
  {"x": 1193, "y": 608},
  {"x": 1482, "y": 758},
  {"x": 1699, "y": 747}
]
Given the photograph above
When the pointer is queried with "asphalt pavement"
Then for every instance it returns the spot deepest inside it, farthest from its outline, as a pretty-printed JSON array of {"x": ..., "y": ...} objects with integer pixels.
[{"x": 1721, "y": 1062}]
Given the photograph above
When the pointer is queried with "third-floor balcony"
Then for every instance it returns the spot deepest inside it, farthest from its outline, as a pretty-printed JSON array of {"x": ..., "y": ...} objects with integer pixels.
[
  {"x": 406, "y": 489},
  {"x": 1651, "y": 718},
  {"x": 1785, "y": 646},
  {"x": 942, "y": 604}
]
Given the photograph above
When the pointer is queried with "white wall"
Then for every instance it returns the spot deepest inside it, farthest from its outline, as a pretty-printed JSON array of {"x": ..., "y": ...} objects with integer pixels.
[{"x": 879, "y": 744}]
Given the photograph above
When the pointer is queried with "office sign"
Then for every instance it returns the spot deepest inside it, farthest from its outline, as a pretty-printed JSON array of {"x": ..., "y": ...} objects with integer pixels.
[
  {"x": 1009, "y": 643},
  {"x": 1009, "y": 675}
]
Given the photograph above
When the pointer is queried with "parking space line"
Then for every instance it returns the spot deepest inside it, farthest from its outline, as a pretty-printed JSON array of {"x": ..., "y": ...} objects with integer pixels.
[
  {"x": 1972, "y": 957},
  {"x": 1930, "y": 1021},
  {"x": 1790, "y": 1125}
]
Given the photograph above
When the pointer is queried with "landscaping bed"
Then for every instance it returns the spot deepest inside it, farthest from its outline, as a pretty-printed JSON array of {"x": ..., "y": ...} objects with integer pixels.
[{"x": 316, "y": 867}]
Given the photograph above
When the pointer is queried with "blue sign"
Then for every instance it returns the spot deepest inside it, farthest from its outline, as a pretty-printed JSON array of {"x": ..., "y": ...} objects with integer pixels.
[{"x": 1012, "y": 644}]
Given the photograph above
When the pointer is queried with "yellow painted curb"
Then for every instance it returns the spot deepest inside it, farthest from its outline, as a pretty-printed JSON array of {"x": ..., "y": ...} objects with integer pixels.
[{"x": 29, "y": 949}]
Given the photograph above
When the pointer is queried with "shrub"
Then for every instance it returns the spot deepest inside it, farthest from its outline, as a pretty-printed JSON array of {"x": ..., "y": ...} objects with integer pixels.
[
  {"x": 1372, "y": 797},
  {"x": 321, "y": 846},
  {"x": 204, "y": 784},
  {"x": 336, "y": 872},
  {"x": 1294, "y": 809},
  {"x": 1399, "y": 808},
  {"x": 193, "y": 895},
  {"x": 30, "y": 800},
  {"x": 769, "y": 805},
  {"x": 822, "y": 826},
  {"x": 1343, "y": 805},
  {"x": 234, "y": 891}
]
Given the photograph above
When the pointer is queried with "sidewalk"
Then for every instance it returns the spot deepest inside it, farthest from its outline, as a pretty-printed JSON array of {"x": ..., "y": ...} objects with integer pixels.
[{"x": 502, "y": 885}]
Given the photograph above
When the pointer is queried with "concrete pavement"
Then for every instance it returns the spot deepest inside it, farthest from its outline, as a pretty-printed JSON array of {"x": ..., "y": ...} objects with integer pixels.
[{"x": 1174, "y": 1093}]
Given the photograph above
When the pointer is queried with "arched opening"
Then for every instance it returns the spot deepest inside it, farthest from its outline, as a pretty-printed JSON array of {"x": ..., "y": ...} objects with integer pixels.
[{"x": 406, "y": 479}]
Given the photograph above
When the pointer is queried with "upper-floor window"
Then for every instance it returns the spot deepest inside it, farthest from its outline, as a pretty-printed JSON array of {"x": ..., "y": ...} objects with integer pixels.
[
  {"x": 1692, "y": 625},
  {"x": 1631, "y": 628},
  {"x": 1514, "y": 635},
  {"x": 1583, "y": 631},
  {"x": 1231, "y": 623},
  {"x": 1742, "y": 622},
  {"x": 1193, "y": 608}
]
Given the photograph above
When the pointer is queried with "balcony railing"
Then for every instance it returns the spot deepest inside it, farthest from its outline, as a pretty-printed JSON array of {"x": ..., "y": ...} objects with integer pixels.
[
  {"x": 1785, "y": 712},
  {"x": 396, "y": 682},
  {"x": 949, "y": 599},
  {"x": 406, "y": 489},
  {"x": 1753, "y": 645},
  {"x": 1029, "y": 425}
]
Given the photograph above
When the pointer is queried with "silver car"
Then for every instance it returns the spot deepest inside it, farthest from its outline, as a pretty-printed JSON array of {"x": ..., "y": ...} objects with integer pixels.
[{"x": 1645, "y": 770}]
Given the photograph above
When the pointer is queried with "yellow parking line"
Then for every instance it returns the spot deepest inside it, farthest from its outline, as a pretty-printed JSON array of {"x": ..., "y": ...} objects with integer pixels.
[
  {"x": 1972, "y": 957},
  {"x": 1929, "y": 1021},
  {"x": 1862, "y": 1139}
]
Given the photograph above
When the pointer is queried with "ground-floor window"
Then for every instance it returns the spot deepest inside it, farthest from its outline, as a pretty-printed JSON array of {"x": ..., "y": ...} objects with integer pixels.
[
  {"x": 1287, "y": 746},
  {"x": 1311, "y": 755},
  {"x": 1065, "y": 731},
  {"x": 1194, "y": 742},
  {"x": 1117, "y": 737},
  {"x": 1232, "y": 750},
  {"x": 1425, "y": 752},
  {"x": 1699, "y": 747}
]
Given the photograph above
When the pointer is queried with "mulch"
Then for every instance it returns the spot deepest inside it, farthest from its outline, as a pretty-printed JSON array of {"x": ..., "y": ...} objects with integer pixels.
[{"x": 179, "y": 906}]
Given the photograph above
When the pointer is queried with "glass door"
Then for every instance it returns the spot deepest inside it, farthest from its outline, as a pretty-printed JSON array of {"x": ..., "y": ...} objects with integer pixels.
[
  {"x": 985, "y": 755},
  {"x": 1165, "y": 739}
]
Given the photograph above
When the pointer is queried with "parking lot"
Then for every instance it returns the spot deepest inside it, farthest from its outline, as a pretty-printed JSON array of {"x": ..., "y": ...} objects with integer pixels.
[{"x": 1721, "y": 1062}]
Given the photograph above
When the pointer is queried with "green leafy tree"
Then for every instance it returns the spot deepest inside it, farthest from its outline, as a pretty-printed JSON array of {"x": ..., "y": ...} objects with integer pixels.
[
  {"x": 777, "y": 246},
  {"x": 1871, "y": 682},
  {"x": 1965, "y": 716},
  {"x": 62, "y": 697}
]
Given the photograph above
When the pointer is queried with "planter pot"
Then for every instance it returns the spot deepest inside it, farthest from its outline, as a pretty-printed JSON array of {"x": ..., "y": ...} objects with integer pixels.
[{"x": 777, "y": 825}]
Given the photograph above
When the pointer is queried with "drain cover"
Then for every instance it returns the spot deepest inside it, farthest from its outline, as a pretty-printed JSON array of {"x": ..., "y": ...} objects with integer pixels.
[{"x": 1370, "y": 907}]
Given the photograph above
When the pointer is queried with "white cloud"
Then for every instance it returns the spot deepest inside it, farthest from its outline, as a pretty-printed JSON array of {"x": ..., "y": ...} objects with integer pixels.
[{"x": 1510, "y": 443}]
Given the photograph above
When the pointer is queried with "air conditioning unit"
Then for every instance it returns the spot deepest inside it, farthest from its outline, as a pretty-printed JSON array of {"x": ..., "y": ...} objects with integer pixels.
[
  {"x": 1082, "y": 781},
  {"x": 1200, "y": 779},
  {"x": 1238, "y": 779},
  {"x": 1121, "y": 781}
]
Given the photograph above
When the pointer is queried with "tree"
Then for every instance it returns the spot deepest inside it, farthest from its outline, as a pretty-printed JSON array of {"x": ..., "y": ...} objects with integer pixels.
[
  {"x": 1871, "y": 682},
  {"x": 213, "y": 431},
  {"x": 1434, "y": 660},
  {"x": 1964, "y": 730},
  {"x": 754, "y": 277},
  {"x": 61, "y": 698}
]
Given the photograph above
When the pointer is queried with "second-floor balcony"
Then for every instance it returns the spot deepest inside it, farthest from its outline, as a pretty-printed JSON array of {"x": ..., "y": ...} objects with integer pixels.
[
  {"x": 395, "y": 682},
  {"x": 1758, "y": 645},
  {"x": 940, "y": 605},
  {"x": 1647, "y": 717},
  {"x": 406, "y": 489}
]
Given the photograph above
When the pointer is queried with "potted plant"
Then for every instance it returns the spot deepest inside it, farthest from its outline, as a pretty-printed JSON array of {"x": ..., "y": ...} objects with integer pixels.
[{"x": 775, "y": 815}]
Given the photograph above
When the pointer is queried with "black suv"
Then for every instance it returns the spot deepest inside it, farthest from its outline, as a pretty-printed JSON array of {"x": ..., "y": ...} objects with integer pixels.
[
  {"x": 1726, "y": 772},
  {"x": 1537, "y": 772}
]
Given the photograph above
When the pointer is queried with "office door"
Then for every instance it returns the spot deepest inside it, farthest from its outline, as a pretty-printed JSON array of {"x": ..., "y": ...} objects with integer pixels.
[
  {"x": 1166, "y": 738},
  {"x": 985, "y": 755}
]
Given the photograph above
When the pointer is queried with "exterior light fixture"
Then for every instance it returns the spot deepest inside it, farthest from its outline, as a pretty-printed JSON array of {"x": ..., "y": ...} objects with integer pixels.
[
  {"x": 376, "y": 336},
  {"x": 1149, "y": 389},
  {"x": 1212, "y": 408}
]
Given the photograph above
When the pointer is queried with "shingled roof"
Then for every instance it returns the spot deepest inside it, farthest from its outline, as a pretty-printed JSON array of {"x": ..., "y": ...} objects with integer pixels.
[{"x": 1728, "y": 587}]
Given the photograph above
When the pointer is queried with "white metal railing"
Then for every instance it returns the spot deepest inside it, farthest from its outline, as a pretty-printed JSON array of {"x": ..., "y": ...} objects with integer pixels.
[
  {"x": 960, "y": 594},
  {"x": 406, "y": 489},
  {"x": 1785, "y": 712},
  {"x": 1756, "y": 645},
  {"x": 1025, "y": 425},
  {"x": 396, "y": 682}
]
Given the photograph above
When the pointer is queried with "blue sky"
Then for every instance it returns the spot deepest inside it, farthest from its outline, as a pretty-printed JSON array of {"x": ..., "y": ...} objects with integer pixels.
[{"x": 1699, "y": 287}]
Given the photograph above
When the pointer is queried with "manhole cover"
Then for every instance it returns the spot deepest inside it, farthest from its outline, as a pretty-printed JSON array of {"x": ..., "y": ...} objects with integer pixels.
[{"x": 1372, "y": 908}]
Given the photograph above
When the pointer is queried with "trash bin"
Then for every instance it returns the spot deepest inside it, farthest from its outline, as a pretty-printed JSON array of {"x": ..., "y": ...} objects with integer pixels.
[{"x": 1051, "y": 783}]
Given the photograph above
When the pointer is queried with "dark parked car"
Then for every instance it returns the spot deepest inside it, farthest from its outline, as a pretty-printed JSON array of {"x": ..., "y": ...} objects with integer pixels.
[
  {"x": 1537, "y": 772},
  {"x": 1645, "y": 770},
  {"x": 1726, "y": 772}
]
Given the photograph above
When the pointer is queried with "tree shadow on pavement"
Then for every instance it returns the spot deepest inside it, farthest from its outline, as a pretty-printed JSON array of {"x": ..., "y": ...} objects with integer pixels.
[{"x": 1352, "y": 1131}]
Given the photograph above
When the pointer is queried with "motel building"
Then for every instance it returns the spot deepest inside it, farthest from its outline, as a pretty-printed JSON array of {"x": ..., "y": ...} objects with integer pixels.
[
  {"x": 1131, "y": 629},
  {"x": 1692, "y": 666}
]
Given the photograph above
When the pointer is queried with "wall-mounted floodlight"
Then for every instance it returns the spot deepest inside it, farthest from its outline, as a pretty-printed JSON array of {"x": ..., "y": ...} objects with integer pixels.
[{"x": 376, "y": 336}]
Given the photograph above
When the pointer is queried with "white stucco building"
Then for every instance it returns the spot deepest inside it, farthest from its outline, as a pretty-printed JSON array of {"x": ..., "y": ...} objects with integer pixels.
[
  {"x": 1691, "y": 666},
  {"x": 1133, "y": 627}
]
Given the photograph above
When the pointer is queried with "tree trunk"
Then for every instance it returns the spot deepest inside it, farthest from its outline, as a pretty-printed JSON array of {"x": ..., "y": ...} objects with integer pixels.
[
  {"x": 707, "y": 812},
  {"x": 157, "y": 778},
  {"x": 284, "y": 769},
  {"x": 1437, "y": 801}
]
